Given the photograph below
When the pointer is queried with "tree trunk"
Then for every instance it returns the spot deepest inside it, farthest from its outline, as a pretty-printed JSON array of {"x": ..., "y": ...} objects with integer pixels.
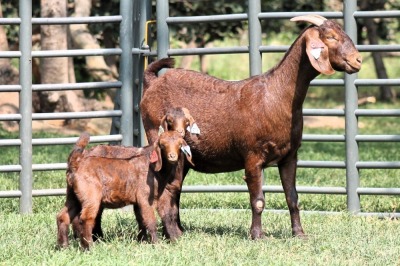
[
  {"x": 8, "y": 73},
  {"x": 82, "y": 39},
  {"x": 55, "y": 69},
  {"x": 386, "y": 93},
  {"x": 187, "y": 60}
]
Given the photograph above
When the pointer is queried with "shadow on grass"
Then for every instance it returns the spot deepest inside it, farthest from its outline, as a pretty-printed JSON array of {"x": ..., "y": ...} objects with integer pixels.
[{"x": 232, "y": 231}]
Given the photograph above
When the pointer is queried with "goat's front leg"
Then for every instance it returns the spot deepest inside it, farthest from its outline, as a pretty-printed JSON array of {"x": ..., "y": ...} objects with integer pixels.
[
  {"x": 168, "y": 212},
  {"x": 253, "y": 180},
  {"x": 287, "y": 172},
  {"x": 178, "y": 198}
]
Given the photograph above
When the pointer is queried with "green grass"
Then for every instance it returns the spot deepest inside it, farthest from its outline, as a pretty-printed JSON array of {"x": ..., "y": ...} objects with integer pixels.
[
  {"x": 217, "y": 224},
  {"x": 211, "y": 238}
]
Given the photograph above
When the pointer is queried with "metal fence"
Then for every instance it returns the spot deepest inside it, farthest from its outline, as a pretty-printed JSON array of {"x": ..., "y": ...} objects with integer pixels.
[{"x": 127, "y": 127}]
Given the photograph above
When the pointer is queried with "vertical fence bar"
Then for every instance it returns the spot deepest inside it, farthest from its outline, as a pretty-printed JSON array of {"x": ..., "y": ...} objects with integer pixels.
[
  {"x": 162, "y": 28},
  {"x": 137, "y": 14},
  {"x": 145, "y": 14},
  {"x": 351, "y": 99},
  {"x": 126, "y": 71},
  {"x": 255, "y": 57},
  {"x": 25, "y": 103}
]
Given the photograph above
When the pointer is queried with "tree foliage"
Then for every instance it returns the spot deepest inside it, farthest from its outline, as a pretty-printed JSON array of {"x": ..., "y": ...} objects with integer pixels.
[
  {"x": 201, "y": 34},
  {"x": 204, "y": 33}
]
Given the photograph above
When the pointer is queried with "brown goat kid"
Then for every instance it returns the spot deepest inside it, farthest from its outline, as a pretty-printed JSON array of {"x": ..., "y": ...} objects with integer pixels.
[
  {"x": 178, "y": 119},
  {"x": 135, "y": 176},
  {"x": 252, "y": 123}
]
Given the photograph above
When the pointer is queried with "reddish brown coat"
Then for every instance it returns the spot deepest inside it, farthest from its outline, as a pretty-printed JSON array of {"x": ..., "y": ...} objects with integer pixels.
[{"x": 256, "y": 122}]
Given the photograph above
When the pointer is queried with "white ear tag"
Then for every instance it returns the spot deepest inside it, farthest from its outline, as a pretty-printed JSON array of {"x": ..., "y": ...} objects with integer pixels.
[
  {"x": 160, "y": 130},
  {"x": 194, "y": 130},
  {"x": 186, "y": 150},
  {"x": 316, "y": 52}
]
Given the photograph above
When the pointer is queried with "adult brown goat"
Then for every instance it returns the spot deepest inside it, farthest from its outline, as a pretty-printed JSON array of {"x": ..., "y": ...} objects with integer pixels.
[
  {"x": 256, "y": 122},
  {"x": 113, "y": 177}
]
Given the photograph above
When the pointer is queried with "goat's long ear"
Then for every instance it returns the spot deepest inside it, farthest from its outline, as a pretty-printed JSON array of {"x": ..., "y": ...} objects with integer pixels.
[
  {"x": 188, "y": 116},
  {"x": 187, "y": 153},
  {"x": 157, "y": 151},
  {"x": 318, "y": 52},
  {"x": 163, "y": 123}
]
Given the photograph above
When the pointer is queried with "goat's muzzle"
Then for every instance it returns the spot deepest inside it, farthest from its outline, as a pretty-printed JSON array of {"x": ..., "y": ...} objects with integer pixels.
[
  {"x": 353, "y": 63},
  {"x": 172, "y": 157},
  {"x": 181, "y": 132}
]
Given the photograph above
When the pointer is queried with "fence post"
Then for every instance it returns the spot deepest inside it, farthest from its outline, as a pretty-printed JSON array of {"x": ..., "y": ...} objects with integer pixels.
[
  {"x": 145, "y": 14},
  {"x": 351, "y": 126},
  {"x": 25, "y": 103},
  {"x": 126, "y": 71},
  {"x": 255, "y": 58},
  {"x": 162, "y": 28}
]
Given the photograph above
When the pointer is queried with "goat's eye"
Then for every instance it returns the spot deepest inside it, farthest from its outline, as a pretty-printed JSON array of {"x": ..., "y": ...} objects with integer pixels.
[{"x": 331, "y": 38}]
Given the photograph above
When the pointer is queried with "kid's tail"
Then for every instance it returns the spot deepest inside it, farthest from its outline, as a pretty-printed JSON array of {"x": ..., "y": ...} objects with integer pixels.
[{"x": 76, "y": 154}]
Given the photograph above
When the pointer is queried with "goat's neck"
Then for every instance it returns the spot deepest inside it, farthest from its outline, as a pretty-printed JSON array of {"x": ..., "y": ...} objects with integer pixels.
[
  {"x": 294, "y": 73},
  {"x": 168, "y": 169}
]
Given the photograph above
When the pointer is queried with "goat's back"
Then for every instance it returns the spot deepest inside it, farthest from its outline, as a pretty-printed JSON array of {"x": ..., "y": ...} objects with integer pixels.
[
  {"x": 115, "y": 152},
  {"x": 120, "y": 181}
]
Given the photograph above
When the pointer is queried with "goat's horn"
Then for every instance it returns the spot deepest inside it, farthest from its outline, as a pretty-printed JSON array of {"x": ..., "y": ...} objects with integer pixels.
[{"x": 314, "y": 19}]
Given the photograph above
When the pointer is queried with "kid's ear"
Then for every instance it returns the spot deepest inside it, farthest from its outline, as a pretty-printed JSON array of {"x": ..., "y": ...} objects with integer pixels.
[
  {"x": 156, "y": 157},
  {"x": 163, "y": 125},
  {"x": 318, "y": 53}
]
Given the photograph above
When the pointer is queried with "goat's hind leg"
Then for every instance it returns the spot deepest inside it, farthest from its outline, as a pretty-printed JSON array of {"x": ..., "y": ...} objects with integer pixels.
[
  {"x": 287, "y": 172},
  {"x": 253, "y": 178},
  {"x": 142, "y": 235},
  {"x": 97, "y": 231},
  {"x": 87, "y": 221},
  {"x": 67, "y": 214},
  {"x": 148, "y": 223},
  {"x": 63, "y": 221}
]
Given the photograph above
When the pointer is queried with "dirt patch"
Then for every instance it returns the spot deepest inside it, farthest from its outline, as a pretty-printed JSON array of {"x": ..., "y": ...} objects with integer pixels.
[
  {"x": 323, "y": 121},
  {"x": 9, "y": 104}
]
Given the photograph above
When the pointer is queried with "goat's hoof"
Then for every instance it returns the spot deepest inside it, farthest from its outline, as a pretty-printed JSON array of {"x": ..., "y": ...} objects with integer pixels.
[
  {"x": 301, "y": 236},
  {"x": 61, "y": 246},
  {"x": 257, "y": 235}
]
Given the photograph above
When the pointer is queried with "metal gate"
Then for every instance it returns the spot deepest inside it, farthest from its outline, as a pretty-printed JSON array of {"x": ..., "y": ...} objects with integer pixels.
[{"x": 127, "y": 128}]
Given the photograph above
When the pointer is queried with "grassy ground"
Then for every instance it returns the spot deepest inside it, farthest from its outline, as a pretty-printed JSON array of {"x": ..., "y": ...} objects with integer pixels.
[
  {"x": 217, "y": 225},
  {"x": 211, "y": 238}
]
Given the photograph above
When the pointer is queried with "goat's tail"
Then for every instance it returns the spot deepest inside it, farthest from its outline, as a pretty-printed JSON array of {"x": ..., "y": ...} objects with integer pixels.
[
  {"x": 76, "y": 154},
  {"x": 151, "y": 71}
]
